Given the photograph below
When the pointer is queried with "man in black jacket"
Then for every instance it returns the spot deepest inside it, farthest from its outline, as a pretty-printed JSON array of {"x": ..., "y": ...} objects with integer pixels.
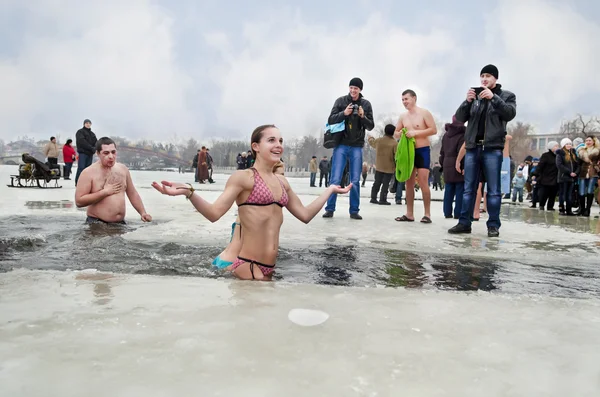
[
  {"x": 85, "y": 140},
  {"x": 487, "y": 109},
  {"x": 324, "y": 171},
  {"x": 357, "y": 113}
]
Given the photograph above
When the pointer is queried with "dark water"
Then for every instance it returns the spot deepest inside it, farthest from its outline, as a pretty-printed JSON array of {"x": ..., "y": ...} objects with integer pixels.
[{"x": 60, "y": 243}]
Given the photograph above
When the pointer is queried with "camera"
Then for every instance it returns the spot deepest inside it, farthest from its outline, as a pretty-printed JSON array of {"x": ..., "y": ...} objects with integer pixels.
[{"x": 355, "y": 110}]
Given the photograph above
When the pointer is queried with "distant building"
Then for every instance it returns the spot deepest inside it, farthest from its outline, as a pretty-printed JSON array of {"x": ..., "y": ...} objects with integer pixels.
[{"x": 540, "y": 141}]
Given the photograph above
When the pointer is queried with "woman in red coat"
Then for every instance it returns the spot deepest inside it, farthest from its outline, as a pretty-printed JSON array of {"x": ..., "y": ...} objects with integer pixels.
[{"x": 69, "y": 156}]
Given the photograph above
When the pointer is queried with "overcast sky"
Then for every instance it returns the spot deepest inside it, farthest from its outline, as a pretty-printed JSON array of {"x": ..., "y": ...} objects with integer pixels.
[{"x": 165, "y": 69}]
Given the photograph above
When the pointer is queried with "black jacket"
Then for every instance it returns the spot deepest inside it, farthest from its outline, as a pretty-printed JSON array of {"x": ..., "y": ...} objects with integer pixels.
[
  {"x": 85, "y": 140},
  {"x": 324, "y": 166},
  {"x": 195, "y": 161},
  {"x": 355, "y": 125},
  {"x": 451, "y": 144},
  {"x": 502, "y": 108},
  {"x": 565, "y": 167},
  {"x": 546, "y": 172}
]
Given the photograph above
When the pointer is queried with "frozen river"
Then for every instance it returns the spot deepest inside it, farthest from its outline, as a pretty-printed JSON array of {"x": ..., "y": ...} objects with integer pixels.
[{"x": 83, "y": 311}]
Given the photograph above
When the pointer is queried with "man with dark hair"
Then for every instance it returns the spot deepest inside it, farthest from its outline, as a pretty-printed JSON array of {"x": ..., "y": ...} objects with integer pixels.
[
  {"x": 487, "y": 109},
  {"x": 202, "y": 165},
  {"x": 385, "y": 164},
  {"x": 420, "y": 125},
  {"x": 357, "y": 114},
  {"x": 85, "y": 141},
  {"x": 324, "y": 171},
  {"x": 313, "y": 168},
  {"x": 103, "y": 186},
  {"x": 51, "y": 151}
]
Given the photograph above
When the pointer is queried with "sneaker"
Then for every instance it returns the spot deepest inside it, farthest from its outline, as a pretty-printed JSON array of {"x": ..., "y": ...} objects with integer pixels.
[
  {"x": 399, "y": 202},
  {"x": 385, "y": 203},
  {"x": 355, "y": 216},
  {"x": 328, "y": 214},
  {"x": 448, "y": 216},
  {"x": 460, "y": 229},
  {"x": 493, "y": 232},
  {"x": 373, "y": 201}
]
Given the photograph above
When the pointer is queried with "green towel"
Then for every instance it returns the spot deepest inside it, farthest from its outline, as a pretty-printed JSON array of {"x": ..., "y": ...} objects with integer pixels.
[{"x": 405, "y": 157}]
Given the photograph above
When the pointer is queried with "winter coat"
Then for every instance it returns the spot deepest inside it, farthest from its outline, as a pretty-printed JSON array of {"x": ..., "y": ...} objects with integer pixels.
[
  {"x": 451, "y": 143},
  {"x": 546, "y": 172},
  {"x": 385, "y": 152},
  {"x": 68, "y": 154},
  {"x": 312, "y": 166},
  {"x": 51, "y": 150},
  {"x": 324, "y": 166},
  {"x": 589, "y": 160},
  {"x": 566, "y": 166},
  {"x": 85, "y": 140},
  {"x": 519, "y": 182},
  {"x": 354, "y": 135}
]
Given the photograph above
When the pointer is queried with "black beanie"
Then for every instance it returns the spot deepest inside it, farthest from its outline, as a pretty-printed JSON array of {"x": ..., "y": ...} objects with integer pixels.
[
  {"x": 87, "y": 121},
  {"x": 491, "y": 69},
  {"x": 356, "y": 82}
]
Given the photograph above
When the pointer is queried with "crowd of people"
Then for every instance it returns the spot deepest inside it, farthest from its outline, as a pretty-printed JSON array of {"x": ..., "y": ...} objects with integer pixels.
[{"x": 474, "y": 162}]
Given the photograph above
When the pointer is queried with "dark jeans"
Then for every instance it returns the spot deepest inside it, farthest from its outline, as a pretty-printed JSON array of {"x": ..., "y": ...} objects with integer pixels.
[
  {"x": 566, "y": 195},
  {"x": 400, "y": 187},
  {"x": 454, "y": 191},
  {"x": 381, "y": 178},
  {"x": 326, "y": 176},
  {"x": 85, "y": 160},
  {"x": 68, "y": 167},
  {"x": 364, "y": 177},
  {"x": 313, "y": 178},
  {"x": 535, "y": 195},
  {"x": 52, "y": 160},
  {"x": 548, "y": 194},
  {"x": 341, "y": 154},
  {"x": 490, "y": 162}
]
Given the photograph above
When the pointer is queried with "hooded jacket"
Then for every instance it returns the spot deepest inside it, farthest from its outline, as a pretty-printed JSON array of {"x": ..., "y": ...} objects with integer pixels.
[
  {"x": 566, "y": 166},
  {"x": 501, "y": 109},
  {"x": 85, "y": 140},
  {"x": 451, "y": 144}
]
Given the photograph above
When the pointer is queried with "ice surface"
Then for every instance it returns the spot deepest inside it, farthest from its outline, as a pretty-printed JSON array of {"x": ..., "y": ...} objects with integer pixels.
[{"x": 73, "y": 334}]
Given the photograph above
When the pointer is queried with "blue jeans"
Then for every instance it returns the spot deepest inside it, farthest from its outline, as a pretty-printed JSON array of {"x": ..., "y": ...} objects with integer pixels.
[
  {"x": 490, "y": 162},
  {"x": 341, "y": 154},
  {"x": 85, "y": 160},
  {"x": 587, "y": 186},
  {"x": 313, "y": 178},
  {"x": 455, "y": 189},
  {"x": 68, "y": 170},
  {"x": 399, "y": 189},
  {"x": 517, "y": 192}
]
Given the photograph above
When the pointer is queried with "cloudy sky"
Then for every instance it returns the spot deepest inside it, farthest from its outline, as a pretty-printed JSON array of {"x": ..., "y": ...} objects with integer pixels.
[{"x": 174, "y": 69}]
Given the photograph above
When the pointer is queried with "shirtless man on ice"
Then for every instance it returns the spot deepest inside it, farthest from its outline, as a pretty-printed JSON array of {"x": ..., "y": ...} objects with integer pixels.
[
  {"x": 420, "y": 125},
  {"x": 102, "y": 187}
]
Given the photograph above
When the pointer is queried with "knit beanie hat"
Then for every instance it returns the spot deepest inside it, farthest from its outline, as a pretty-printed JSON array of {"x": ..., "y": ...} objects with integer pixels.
[
  {"x": 565, "y": 142},
  {"x": 551, "y": 145},
  {"x": 87, "y": 121},
  {"x": 356, "y": 82},
  {"x": 577, "y": 141},
  {"x": 491, "y": 69}
]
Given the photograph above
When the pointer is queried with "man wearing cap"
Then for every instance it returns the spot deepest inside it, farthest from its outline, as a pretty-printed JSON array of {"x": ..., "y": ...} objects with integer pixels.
[
  {"x": 85, "y": 140},
  {"x": 487, "y": 109},
  {"x": 357, "y": 113}
]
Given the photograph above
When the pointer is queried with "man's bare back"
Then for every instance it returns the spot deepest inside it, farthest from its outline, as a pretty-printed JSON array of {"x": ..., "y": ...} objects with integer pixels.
[{"x": 102, "y": 187}]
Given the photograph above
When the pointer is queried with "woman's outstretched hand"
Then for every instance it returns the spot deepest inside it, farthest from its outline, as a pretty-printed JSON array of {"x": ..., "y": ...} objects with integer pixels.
[
  {"x": 335, "y": 189},
  {"x": 172, "y": 188}
]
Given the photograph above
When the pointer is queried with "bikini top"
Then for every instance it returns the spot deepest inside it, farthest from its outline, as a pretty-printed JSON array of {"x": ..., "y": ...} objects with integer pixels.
[{"x": 262, "y": 195}]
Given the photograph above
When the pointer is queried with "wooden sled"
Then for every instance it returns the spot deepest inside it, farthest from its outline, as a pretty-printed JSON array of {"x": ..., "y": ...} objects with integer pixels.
[{"x": 34, "y": 173}]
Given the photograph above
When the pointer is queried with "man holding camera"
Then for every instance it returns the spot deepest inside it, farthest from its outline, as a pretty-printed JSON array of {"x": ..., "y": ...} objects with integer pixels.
[
  {"x": 487, "y": 109},
  {"x": 357, "y": 113}
]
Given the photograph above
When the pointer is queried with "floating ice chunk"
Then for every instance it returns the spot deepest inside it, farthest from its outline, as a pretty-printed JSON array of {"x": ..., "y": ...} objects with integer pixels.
[{"x": 307, "y": 317}]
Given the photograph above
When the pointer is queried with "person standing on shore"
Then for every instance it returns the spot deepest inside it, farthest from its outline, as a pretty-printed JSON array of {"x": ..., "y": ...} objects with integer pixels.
[
  {"x": 68, "y": 157},
  {"x": 487, "y": 109},
  {"x": 357, "y": 114},
  {"x": 313, "y": 168},
  {"x": 85, "y": 140},
  {"x": 385, "y": 164},
  {"x": 51, "y": 151},
  {"x": 202, "y": 165},
  {"x": 324, "y": 171}
]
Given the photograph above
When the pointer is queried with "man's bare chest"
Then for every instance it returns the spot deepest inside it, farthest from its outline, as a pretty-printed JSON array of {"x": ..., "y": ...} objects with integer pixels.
[
  {"x": 113, "y": 177},
  {"x": 414, "y": 121}
]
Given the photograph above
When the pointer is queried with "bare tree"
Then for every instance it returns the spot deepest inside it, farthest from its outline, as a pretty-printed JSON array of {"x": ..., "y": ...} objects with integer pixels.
[
  {"x": 580, "y": 126},
  {"x": 520, "y": 145}
]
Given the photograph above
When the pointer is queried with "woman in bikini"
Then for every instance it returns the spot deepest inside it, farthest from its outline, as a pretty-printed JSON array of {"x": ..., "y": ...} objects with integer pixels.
[
  {"x": 226, "y": 258},
  {"x": 260, "y": 195}
]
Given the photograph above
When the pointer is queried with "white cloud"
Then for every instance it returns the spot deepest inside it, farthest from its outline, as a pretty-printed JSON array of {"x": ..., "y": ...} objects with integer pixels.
[{"x": 110, "y": 62}]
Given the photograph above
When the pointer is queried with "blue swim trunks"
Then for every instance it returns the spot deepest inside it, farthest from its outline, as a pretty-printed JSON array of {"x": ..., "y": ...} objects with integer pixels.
[
  {"x": 423, "y": 157},
  {"x": 220, "y": 263}
]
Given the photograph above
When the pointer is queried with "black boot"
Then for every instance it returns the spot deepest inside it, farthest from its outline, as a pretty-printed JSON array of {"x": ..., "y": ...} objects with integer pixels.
[
  {"x": 569, "y": 210},
  {"x": 588, "y": 204},
  {"x": 581, "y": 210}
]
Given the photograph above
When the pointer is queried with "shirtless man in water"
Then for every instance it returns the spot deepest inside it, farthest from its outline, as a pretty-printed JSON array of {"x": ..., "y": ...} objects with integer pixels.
[
  {"x": 420, "y": 125},
  {"x": 102, "y": 187}
]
